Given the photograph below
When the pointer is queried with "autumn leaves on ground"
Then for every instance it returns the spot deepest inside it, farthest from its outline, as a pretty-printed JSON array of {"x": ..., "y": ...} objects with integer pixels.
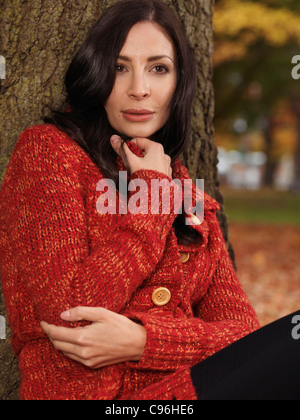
[{"x": 267, "y": 251}]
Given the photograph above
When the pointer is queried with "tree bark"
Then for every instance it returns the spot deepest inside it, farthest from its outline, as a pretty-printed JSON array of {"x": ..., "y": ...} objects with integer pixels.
[{"x": 38, "y": 39}]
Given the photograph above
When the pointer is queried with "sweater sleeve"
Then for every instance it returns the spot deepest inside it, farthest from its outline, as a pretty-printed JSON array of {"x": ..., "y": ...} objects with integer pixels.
[
  {"x": 223, "y": 316},
  {"x": 44, "y": 216}
]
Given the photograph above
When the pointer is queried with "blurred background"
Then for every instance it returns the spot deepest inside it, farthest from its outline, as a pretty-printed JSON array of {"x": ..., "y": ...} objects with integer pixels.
[{"x": 257, "y": 124}]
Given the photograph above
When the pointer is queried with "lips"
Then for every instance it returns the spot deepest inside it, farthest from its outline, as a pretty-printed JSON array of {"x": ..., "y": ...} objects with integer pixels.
[{"x": 138, "y": 115}]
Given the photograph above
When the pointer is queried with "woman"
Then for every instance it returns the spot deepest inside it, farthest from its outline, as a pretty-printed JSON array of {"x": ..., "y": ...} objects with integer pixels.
[{"x": 115, "y": 305}]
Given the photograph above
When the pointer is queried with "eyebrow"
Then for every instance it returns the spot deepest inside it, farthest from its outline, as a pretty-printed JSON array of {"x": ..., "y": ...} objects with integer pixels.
[{"x": 150, "y": 59}]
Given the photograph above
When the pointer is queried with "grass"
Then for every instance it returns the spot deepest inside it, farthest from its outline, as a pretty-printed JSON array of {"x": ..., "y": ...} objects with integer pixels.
[{"x": 264, "y": 206}]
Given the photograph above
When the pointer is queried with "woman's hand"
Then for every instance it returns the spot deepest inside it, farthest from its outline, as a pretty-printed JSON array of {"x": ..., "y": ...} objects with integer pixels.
[
  {"x": 154, "y": 156},
  {"x": 110, "y": 339}
]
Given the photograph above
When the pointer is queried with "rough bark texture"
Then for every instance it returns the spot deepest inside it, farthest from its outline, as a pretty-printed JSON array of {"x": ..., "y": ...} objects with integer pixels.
[{"x": 38, "y": 39}]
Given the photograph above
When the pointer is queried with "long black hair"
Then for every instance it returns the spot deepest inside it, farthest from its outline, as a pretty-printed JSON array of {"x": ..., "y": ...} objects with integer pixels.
[{"x": 90, "y": 79}]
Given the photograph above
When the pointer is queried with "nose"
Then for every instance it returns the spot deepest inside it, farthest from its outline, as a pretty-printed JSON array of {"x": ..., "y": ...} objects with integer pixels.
[{"x": 139, "y": 88}]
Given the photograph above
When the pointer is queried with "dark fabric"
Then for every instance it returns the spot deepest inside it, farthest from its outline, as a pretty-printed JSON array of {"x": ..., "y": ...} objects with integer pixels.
[{"x": 265, "y": 365}]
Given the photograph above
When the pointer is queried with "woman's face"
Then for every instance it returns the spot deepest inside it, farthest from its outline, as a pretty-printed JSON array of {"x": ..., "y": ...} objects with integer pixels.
[{"x": 139, "y": 104}]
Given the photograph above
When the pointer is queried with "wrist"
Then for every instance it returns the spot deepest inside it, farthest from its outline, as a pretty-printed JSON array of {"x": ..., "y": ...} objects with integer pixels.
[{"x": 140, "y": 338}]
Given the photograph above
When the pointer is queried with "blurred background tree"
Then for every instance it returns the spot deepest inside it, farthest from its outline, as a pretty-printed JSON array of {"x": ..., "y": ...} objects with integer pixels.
[
  {"x": 257, "y": 125},
  {"x": 257, "y": 100}
]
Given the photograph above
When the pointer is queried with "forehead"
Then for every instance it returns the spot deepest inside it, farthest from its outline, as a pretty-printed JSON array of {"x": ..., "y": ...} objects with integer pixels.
[{"x": 147, "y": 39}]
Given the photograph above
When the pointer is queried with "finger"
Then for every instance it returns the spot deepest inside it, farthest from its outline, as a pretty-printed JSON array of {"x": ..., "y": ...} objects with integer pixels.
[
  {"x": 55, "y": 333},
  {"x": 90, "y": 363},
  {"x": 84, "y": 313},
  {"x": 117, "y": 143},
  {"x": 121, "y": 149},
  {"x": 75, "y": 357},
  {"x": 142, "y": 143},
  {"x": 94, "y": 362},
  {"x": 168, "y": 159},
  {"x": 67, "y": 348},
  {"x": 115, "y": 140}
]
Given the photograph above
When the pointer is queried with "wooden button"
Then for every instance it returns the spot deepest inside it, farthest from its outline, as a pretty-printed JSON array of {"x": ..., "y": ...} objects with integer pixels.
[
  {"x": 161, "y": 296},
  {"x": 184, "y": 256}
]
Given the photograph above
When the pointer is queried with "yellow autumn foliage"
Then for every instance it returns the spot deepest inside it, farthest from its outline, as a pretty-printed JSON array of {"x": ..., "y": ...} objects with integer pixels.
[{"x": 239, "y": 24}]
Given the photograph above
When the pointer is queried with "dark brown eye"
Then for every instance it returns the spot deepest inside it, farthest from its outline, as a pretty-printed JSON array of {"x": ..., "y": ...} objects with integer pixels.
[
  {"x": 120, "y": 68},
  {"x": 160, "y": 69}
]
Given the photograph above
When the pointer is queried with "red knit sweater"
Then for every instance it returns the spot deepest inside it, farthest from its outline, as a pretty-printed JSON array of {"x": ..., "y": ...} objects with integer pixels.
[{"x": 58, "y": 252}]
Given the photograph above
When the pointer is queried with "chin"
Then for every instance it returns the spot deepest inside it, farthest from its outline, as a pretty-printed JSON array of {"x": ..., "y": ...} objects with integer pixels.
[
  {"x": 142, "y": 130},
  {"x": 135, "y": 134}
]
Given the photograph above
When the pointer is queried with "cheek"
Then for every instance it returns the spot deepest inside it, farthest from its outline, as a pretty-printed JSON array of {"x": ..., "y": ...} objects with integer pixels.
[
  {"x": 167, "y": 99},
  {"x": 110, "y": 108},
  {"x": 113, "y": 112},
  {"x": 112, "y": 105},
  {"x": 168, "y": 93}
]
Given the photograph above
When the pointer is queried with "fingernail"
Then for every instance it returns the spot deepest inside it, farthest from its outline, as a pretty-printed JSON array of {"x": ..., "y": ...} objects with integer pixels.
[
  {"x": 115, "y": 139},
  {"x": 66, "y": 314}
]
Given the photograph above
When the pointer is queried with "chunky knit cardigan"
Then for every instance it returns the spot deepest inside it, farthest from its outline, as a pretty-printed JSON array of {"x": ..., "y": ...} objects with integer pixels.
[{"x": 58, "y": 252}]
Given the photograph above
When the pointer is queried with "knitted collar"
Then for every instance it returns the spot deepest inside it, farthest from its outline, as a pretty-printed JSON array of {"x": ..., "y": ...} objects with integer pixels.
[{"x": 181, "y": 173}]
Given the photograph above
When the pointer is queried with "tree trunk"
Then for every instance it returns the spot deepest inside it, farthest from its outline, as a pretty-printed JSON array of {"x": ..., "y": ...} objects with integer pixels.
[{"x": 38, "y": 40}]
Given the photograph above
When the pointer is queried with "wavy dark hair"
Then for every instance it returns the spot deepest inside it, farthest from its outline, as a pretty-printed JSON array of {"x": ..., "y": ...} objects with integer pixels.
[{"x": 90, "y": 79}]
